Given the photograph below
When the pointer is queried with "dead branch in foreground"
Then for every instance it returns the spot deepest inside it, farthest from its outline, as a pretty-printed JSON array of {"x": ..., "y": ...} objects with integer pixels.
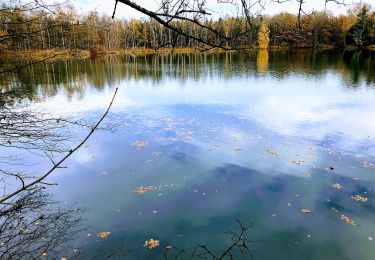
[{"x": 57, "y": 165}]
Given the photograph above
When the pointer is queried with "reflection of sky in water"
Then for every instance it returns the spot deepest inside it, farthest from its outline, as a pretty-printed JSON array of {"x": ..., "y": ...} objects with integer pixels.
[{"x": 256, "y": 148}]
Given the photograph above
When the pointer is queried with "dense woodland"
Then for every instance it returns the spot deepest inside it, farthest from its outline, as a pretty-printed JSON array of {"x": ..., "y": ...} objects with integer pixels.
[{"x": 65, "y": 28}]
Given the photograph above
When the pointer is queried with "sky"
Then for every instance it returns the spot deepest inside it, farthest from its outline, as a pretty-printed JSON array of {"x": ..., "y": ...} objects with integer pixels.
[{"x": 217, "y": 9}]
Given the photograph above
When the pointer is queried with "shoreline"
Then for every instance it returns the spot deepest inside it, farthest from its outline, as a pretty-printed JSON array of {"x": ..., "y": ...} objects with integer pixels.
[{"x": 58, "y": 55}]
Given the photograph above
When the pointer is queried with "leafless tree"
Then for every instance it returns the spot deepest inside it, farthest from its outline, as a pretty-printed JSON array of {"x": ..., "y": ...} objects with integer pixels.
[{"x": 195, "y": 13}]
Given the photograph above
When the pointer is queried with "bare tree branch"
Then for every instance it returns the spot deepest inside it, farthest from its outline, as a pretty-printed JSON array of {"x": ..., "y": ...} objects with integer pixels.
[{"x": 55, "y": 166}]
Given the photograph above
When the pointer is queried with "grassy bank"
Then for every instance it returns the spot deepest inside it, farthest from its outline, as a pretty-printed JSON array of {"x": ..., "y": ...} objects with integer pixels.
[
  {"x": 40, "y": 55},
  {"x": 53, "y": 55}
]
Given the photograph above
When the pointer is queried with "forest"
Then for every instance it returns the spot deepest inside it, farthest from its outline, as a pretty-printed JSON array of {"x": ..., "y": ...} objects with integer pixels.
[{"x": 23, "y": 29}]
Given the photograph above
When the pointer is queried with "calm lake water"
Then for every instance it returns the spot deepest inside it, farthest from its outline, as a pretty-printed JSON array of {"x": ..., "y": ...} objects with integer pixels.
[{"x": 220, "y": 137}]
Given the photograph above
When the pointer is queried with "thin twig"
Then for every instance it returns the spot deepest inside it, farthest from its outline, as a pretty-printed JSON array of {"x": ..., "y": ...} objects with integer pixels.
[{"x": 40, "y": 179}]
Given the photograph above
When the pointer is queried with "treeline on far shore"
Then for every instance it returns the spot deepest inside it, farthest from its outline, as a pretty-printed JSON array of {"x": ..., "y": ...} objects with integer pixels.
[{"x": 23, "y": 30}]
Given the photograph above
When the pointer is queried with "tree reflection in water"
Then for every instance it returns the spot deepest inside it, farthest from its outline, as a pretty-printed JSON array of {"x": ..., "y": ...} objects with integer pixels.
[{"x": 35, "y": 226}]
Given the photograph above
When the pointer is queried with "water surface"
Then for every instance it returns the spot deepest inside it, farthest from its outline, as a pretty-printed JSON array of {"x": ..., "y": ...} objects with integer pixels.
[{"x": 255, "y": 137}]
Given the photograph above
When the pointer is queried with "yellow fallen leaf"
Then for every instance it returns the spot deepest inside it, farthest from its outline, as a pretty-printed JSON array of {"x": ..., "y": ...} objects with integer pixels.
[
  {"x": 152, "y": 243},
  {"x": 336, "y": 186},
  {"x": 299, "y": 162},
  {"x": 142, "y": 189},
  {"x": 368, "y": 165},
  {"x": 104, "y": 234},
  {"x": 306, "y": 211},
  {"x": 140, "y": 144},
  {"x": 349, "y": 221},
  {"x": 272, "y": 153},
  {"x": 358, "y": 198}
]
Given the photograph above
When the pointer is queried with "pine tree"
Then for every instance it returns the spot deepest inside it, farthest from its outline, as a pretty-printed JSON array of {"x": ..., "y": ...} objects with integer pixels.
[{"x": 360, "y": 29}]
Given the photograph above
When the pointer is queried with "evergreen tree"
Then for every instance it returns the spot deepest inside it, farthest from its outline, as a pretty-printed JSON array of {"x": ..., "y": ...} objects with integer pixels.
[{"x": 360, "y": 32}]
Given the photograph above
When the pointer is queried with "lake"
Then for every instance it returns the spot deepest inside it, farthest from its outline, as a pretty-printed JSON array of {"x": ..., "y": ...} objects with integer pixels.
[{"x": 282, "y": 141}]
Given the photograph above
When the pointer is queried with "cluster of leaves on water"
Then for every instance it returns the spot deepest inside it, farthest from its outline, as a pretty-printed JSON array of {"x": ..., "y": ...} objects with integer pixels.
[
  {"x": 151, "y": 244},
  {"x": 355, "y": 197}
]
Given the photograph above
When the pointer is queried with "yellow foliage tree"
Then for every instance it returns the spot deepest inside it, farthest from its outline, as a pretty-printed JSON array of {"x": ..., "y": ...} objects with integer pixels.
[{"x": 263, "y": 35}]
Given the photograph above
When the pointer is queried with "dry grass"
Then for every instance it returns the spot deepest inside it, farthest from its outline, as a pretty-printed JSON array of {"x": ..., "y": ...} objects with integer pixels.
[
  {"x": 54, "y": 55},
  {"x": 39, "y": 55}
]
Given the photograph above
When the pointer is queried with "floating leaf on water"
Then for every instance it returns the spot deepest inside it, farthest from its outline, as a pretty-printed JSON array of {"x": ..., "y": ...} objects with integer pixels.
[
  {"x": 272, "y": 153},
  {"x": 370, "y": 238},
  {"x": 151, "y": 244},
  {"x": 143, "y": 189},
  {"x": 349, "y": 221},
  {"x": 305, "y": 210},
  {"x": 299, "y": 162},
  {"x": 180, "y": 139},
  {"x": 104, "y": 234},
  {"x": 140, "y": 144},
  {"x": 358, "y": 198},
  {"x": 336, "y": 186},
  {"x": 368, "y": 165}
]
